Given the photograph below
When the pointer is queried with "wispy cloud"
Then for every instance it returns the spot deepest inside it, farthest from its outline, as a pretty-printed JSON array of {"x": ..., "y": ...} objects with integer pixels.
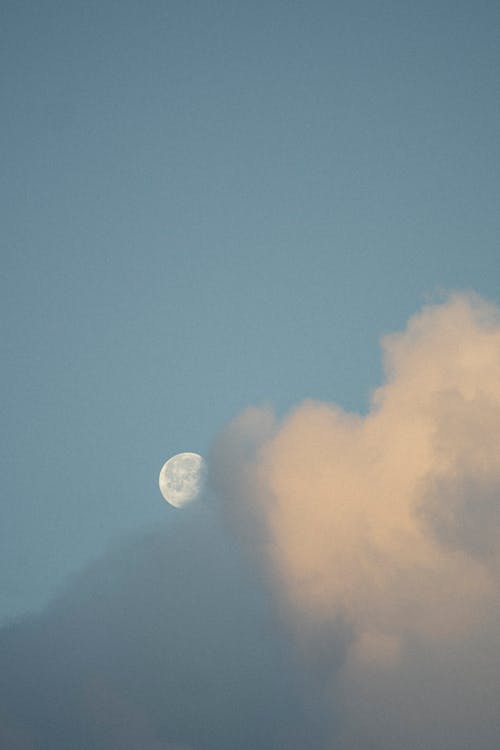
[{"x": 167, "y": 643}]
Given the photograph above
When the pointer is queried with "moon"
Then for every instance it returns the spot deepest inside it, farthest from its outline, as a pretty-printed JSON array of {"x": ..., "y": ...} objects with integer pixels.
[{"x": 182, "y": 478}]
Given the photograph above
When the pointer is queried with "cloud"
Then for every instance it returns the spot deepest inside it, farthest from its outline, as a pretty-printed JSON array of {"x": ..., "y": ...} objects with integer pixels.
[
  {"x": 381, "y": 535},
  {"x": 341, "y": 589},
  {"x": 167, "y": 643}
]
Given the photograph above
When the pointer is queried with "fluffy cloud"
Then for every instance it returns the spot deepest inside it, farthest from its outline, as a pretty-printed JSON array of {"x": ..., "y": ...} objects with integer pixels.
[
  {"x": 383, "y": 531},
  {"x": 372, "y": 544}
]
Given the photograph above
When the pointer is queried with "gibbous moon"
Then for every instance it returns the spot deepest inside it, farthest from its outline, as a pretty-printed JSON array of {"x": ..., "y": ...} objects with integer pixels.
[{"x": 182, "y": 478}]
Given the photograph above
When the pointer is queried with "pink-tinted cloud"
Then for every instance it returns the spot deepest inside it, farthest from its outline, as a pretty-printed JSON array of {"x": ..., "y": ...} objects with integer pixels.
[{"x": 390, "y": 522}]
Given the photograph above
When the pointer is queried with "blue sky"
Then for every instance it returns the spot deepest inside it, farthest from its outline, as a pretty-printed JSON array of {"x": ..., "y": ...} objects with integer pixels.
[{"x": 213, "y": 205}]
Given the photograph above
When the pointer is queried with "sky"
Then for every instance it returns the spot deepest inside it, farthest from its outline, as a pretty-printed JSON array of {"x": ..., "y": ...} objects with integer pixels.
[{"x": 267, "y": 233}]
